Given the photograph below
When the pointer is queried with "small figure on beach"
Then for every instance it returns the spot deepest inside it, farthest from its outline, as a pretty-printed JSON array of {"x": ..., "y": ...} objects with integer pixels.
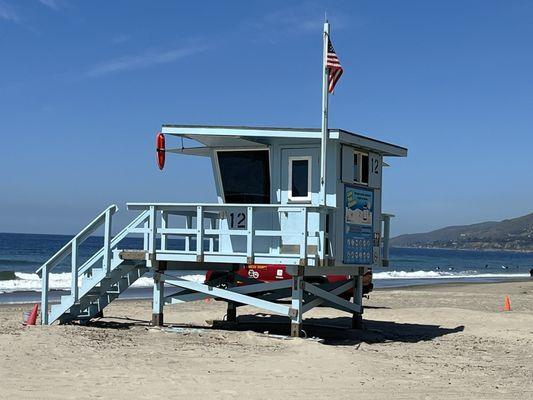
[{"x": 531, "y": 272}]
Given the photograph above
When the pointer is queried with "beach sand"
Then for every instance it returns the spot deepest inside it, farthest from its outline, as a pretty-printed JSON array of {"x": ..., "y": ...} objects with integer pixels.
[{"x": 446, "y": 341}]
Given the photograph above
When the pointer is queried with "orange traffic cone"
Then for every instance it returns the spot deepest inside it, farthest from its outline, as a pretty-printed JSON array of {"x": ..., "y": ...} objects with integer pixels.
[
  {"x": 507, "y": 304},
  {"x": 33, "y": 316}
]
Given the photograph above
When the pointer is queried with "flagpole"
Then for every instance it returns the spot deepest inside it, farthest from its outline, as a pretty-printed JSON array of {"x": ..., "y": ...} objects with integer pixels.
[{"x": 324, "y": 139}]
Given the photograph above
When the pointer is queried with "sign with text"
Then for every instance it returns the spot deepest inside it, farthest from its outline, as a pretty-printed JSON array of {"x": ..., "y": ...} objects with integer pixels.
[{"x": 358, "y": 232}]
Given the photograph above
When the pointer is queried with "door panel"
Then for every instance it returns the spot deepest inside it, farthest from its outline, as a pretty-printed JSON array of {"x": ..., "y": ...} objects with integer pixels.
[
  {"x": 286, "y": 155},
  {"x": 289, "y": 221}
]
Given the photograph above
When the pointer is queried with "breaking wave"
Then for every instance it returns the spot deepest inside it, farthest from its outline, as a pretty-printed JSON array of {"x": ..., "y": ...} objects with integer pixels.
[
  {"x": 61, "y": 281},
  {"x": 443, "y": 275}
]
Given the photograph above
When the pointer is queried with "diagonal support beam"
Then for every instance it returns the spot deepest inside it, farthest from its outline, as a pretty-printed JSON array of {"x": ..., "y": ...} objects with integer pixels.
[
  {"x": 333, "y": 297},
  {"x": 234, "y": 295},
  {"x": 248, "y": 289},
  {"x": 169, "y": 299},
  {"x": 336, "y": 291}
]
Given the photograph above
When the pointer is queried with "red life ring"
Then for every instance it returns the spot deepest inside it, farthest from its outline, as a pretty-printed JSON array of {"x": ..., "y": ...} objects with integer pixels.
[{"x": 160, "y": 150}]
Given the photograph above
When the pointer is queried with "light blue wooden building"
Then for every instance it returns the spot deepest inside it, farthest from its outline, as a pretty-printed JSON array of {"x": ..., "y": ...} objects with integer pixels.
[{"x": 272, "y": 209}]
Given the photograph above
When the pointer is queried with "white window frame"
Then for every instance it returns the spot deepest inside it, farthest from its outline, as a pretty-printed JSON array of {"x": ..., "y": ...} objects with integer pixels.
[
  {"x": 309, "y": 179},
  {"x": 358, "y": 179}
]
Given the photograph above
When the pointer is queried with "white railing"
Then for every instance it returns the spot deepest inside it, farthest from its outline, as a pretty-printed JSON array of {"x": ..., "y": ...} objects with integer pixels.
[
  {"x": 385, "y": 218},
  {"x": 71, "y": 249},
  {"x": 238, "y": 233}
]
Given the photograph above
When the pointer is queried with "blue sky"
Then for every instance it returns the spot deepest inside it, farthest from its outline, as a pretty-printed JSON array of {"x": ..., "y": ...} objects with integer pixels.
[{"x": 84, "y": 86}]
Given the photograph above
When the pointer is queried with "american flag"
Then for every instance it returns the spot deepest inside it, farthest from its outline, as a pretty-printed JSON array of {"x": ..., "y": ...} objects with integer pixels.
[{"x": 334, "y": 67}]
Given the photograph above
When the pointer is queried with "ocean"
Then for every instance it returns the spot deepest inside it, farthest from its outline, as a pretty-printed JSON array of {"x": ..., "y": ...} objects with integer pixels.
[{"x": 22, "y": 254}]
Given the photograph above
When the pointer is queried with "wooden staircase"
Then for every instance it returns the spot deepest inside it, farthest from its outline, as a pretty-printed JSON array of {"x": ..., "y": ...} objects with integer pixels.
[{"x": 98, "y": 281}]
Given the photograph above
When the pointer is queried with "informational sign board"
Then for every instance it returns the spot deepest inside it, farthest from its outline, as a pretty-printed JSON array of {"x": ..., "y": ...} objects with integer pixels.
[{"x": 358, "y": 232}]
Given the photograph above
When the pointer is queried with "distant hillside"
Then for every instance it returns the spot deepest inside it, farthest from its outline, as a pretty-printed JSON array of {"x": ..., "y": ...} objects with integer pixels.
[{"x": 509, "y": 234}]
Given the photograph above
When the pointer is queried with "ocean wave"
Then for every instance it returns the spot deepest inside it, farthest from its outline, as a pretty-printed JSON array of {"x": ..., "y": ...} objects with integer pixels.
[
  {"x": 62, "y": 281},
  {"x": 442, "y": 275}
]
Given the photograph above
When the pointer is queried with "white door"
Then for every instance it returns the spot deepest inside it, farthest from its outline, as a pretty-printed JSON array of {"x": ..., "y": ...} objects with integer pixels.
[
  {"x": 300, "y": 176},
  {"x": 300, "y": 184}
]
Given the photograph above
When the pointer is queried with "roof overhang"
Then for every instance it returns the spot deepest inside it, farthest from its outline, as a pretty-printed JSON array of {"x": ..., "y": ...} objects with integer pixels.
[
  {"x": 245, "y": 137},
  {"x": 387, "y": 149}
]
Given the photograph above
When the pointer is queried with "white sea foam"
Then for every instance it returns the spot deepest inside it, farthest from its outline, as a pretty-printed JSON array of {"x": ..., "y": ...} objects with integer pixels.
[
  {"x": 441, "y": 275},
  {"x": 62, "y": 281}
]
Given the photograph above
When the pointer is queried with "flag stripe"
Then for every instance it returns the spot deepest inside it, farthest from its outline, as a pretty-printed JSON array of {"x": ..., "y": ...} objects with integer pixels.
[{"x": 333, "y": 66}]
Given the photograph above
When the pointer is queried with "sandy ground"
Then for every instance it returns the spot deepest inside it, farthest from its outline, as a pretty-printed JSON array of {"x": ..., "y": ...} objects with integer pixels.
[{"x": 447, "y": 341}]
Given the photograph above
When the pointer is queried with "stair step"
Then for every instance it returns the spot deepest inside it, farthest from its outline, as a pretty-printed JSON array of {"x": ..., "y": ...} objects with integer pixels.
[{"x": 96, "y": 292}]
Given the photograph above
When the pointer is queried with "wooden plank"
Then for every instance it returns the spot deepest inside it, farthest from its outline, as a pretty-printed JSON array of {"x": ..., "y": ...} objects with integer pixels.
[{"x": 133, "y": 254}]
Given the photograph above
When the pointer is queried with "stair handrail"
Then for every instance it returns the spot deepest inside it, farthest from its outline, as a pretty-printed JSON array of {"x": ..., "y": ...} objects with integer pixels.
[
  {"x": 115, "y": 241},
  {"x": 108, "y": 247},
  {"x": 61, "y": 254},
  {"x": 71, "y": 248}
]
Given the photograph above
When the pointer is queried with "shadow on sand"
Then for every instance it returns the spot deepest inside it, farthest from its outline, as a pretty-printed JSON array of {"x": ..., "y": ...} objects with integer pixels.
[
  {"x": 337, "y": 331},
  {"x": 333, "y": 331}
]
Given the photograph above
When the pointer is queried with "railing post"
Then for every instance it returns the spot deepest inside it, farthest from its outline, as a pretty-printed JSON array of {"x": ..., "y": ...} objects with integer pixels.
[
  {"x": 146, "y": 236},
  {"x": 250, "y": 236},
  {"x": 74, "y": 270},
  {"x": 152, "y": 237},
  {"x": 188, "y": 225},
  {"x": 322, "y": 235},
  {"x": 164, "y": 225},
  {"x": 107, "y": 239},
  {"x": 386, "y": 235},
  {"x": 303, "y": 243},
  {"x": 199, "y": 234},
  {"x": 44, "y": 295},
  {"x": 213, "y": 225}
]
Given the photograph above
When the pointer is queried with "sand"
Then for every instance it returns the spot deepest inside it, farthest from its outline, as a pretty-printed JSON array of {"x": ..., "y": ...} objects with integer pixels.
[{"x": 447, "y": 341}]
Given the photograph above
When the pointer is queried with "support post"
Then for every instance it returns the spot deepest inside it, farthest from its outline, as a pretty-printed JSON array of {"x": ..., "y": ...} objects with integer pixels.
[
  {"x": 231, "y": 314},
  {"x": 44, "y": 295},
  {"x": 357, "y": 318},
  {"x": 158, "y": 300},
  {"x": 297, "y": 303}
]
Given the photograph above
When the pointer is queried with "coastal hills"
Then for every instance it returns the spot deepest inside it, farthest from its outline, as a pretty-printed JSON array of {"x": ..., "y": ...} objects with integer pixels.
[{"x": 510, "y": 234}]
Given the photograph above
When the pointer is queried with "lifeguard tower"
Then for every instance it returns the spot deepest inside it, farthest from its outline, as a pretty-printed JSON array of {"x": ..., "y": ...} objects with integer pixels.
[{"x": 272, "y": 209}]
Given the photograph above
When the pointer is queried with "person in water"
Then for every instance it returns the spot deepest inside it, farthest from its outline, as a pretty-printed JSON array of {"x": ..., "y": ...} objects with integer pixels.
[{"x": 531, "y": 272}]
